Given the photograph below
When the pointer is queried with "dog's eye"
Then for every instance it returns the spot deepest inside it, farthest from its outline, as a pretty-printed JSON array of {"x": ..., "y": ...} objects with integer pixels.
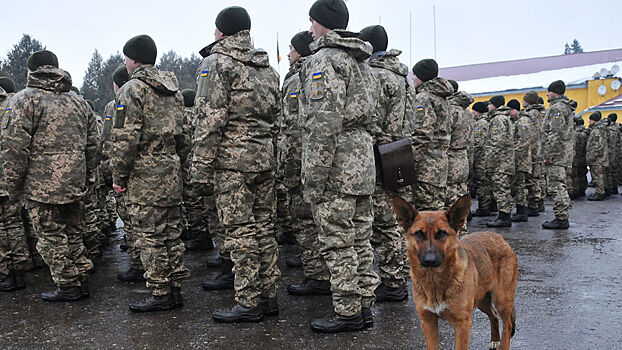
[
  {"x": 440, "y": 234},
  {"x": 419, "y": 234}
]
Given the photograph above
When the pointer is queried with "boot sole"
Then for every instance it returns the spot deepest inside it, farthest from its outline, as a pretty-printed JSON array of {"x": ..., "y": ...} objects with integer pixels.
[
  {"x": 62, "y": 299},
  {"x": 339, "y": 330},
  {"x": 153, "y": 309},
  {"x": 253, "y": 319}
]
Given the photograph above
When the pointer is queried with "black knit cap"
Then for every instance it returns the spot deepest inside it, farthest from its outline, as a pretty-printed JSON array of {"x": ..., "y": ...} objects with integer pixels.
[
  {"x": 120, "y": 76},
  {"x": 232, "y": 20},
  {"x": 579, "y": 121},
  {"x": 332, "y": 14},
  {"x": 497, "y": 101},
  {"x": 426, "y": 69},
  {"x": 596, "y": 116},
  {"x": 514, "y": 104},
  {"x": 189, "y": 95},
  {"x": 141, "y": 48},
  {"x": 454, "y": 84},
  {"x": 301, "y": 42},
  {"x": 7, "y": 84},
  {"x": 557, "y": 87},
  {"x": 531, "y": 97},
  {"x": 480, "y": 107},
  {"x": 41, "y": 58},
  {"x": 613, "y": 117},
  {"x": 376, "y": 36}
]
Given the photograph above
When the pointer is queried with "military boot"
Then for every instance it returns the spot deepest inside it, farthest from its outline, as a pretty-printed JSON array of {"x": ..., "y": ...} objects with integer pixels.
[
  {"x": 269, "y": 307},
  {"x": 294, "y": 261},
  {"x": 224, "y": 281},
  {"x": 195, "y": 244},
  {"x": 533, "y": 212},
  {"x": 596, "y": 197},
  {"x": 63, "y": 294},
  {"x": 480, "y": 212},
  {"x": 521, "y": 214},
  {"x": 368, "y": 317},
  {"x": 177, "y": 298},
  {"x": 338, "y": 323},
  {"x": 556, "y": 224},
  {"x": 541, "y": 206},
  {"x": 238, "y": 314},
  {"x": 7, "y": 282},
  {"x": 309, "y": 287},
  {"x": 154, "y": 303},
  {"x": 387, "y": 294},
  {"x": 131, "y": 275},
  {"x": 502, "y": 220},
  {"x": 493, "y": 207}
]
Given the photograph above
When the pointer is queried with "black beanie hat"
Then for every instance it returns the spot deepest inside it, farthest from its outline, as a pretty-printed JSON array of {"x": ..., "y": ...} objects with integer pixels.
[
  {"x": 557, "y": 87},
  {"x": 514, "y": 104},
  {"x": 480, "y": 107},
  {"x": 232, "y": 20},
  {"x": 41, "y": 58},
  {"x": 540, "y": 100},
  {"x": 612, "y": 116},
  {"x": 141, "y": 48},
  {"x": 301, "y": 42},
  {"x": 596, "y": 116},
  {"x": 579, "y": 121},
  {"x": 426, "y": 69},
  {"x": 7, "y": 84},
  {"x": 497, "y": 101},
  {"x": 120, "y": 76},
  {"x": 189, "y": 95},
  {"x": 376, "y": 36},
  {"x": 332, "y": 14},
  {"x": 531, "y": 97},
  {"x": 454, "y": 84}
]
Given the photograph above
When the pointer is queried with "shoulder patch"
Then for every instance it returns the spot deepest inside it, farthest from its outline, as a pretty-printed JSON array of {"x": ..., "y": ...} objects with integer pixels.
[
  {"x": 7, "y": 111},
  {"x": 420, "y": 108},
  {"x": 293, "y": 95},
  {"x": 107, "y": 117},
  {"x": 317, "y": 75},
  {"x": 204, "y": 73},
  {"x": 120, "y": 107},
  {"x": 6, "y": 118},
  {"x": 557, "y": 115}
]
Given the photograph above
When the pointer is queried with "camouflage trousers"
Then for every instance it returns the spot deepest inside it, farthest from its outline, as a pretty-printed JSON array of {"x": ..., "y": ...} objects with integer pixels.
[
  {"x": 535, "y": 190},
  {"x": 453, "y": 192},
  {"x": 284, "y": 221},
  {"x": 133, "y": 251},
  {"x": 345, "y": 228},
  {"x": 610, "y": 181},
  {"x": 13, "y": 245},
  {"x": 501, "y": 190},
  {"x": 59, "y": 229},
  {"x": 520, "y": 188},
  {"x": 161, "y": 250},
  {"x": 195, "y": 213},
  {"x": 306, "y": 233},
  {"x": 91, "y": 235},
  {"x": 388, "y": 239},
  {"x": 556, "y": 176},
  {"x": 217, "y": 232},
  {"x": 427, "y": 196},
  {"x": 107, "y": 208},
  {"x": 484, "y": 193},
  {"x": 579, "y": 179},
  {"x": 246, "y": 208},
  {"x": 598, "y": 179}
]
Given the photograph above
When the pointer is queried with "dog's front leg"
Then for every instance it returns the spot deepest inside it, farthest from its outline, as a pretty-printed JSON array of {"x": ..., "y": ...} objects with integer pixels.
[
  {"x": 429, "y": 324},
  {"x": 462, "y": 330}
]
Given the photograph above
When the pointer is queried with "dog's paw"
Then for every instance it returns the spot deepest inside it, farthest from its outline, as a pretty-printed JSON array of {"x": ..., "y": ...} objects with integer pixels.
[{"x": 494, "y": 345}]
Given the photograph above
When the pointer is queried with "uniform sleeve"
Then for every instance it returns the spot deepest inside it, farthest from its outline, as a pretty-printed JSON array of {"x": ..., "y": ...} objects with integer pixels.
[
  {"x": 127, "y": 130},
  {"x": 523, "y": 132},
  {"x": 183, "y": 140},
  {"x": 424, "y": 121},
  {"x": 553, "y": 144},
  {"x": 93, "y": 149},
  {"x": 395, "y": 110}
]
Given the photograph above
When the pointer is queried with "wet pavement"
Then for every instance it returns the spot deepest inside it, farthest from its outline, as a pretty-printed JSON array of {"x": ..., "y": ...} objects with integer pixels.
[{"x": 569, "y": 297}]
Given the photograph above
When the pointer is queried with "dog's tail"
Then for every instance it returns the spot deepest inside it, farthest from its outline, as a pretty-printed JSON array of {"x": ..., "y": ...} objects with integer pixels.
[{"x": 513, "y": 323}]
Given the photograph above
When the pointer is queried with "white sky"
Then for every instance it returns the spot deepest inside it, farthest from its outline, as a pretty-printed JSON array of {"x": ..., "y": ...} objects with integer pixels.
[{"x": 467, "y": 32}]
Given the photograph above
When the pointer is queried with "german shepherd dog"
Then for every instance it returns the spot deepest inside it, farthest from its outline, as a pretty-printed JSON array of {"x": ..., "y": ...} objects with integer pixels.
[{"x": 450, "y": 277}]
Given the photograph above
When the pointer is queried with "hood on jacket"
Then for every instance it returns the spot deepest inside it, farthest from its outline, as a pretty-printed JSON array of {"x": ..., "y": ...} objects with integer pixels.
[
  {"x": 238, "y": 46},
  {"x": 437, "y": 86},
  {"x": 295, "y": 68},
  {"x": 390, "y": 62},
  {"x": 344, "y": 40},
  {"x": 162, "y": 81},
  {"x": 572, "y": 104},
  {"x": 460, "y": 98},
  {"x": 501, "y": 110},
  {"x": 49, "y": 78}
]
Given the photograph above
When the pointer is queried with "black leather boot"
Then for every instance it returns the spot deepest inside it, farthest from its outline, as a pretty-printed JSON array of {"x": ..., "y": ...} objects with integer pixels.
[
  {"x": 224, "y": 281},
  {"x": 154, "y": 303},
  {"x": 7, "y": 282},
  {"x": 384, "y": 293},
  {"x": 368, "y": 317},
  {"x": 336, "y": 323},
  {"x": 238, "y": 314},
  {"x": 177, "y": 298},
  {"x": 131, "y": 275},
  {"x": 63, "y": 294},
  {"x": 481, "y": 212},
  {"x": 293, "y": 261},
  {"x": 269, "y": 307},
  {"x": 310, "y": 287},
  {"x": 502, "y": 220},
  {"x": 521, "y": 214},
  {"x": 533, "y": 212},
  {"x": 556, "y": 224}
]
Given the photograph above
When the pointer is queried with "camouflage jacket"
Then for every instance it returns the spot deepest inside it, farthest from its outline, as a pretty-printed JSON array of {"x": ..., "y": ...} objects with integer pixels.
[
  {"x": 500, "y": 142},
  {"x": 289, "y": 145},
  {"x": 480, "y": 134},
  {"x": 581, "y": 135},
  {"x": 4, "y": 101},
  {"x": 237, "y": 102},
  {"x": 338, "y": 103},
  {"x": 597, "y": 144},
  {"x": 149, "y": 146},
  {"x": 49, "y": 140},
  {"x": 461, "y": 140},
  {"x": 106, "y": 143},
  {"x": 428, "y": 123},
  {"x": 390, "y": 79},
  {"x": 523, "y": 138},
  {"x": 614, "y": 138},
  {"x": 535, "y": 114},
  {"x": 190, "y": 119},
  {"x": 557, "y": 132}
]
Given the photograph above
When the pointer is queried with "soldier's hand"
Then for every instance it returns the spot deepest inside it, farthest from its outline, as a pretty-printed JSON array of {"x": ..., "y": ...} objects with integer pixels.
[{"x": 118, "y": 189}]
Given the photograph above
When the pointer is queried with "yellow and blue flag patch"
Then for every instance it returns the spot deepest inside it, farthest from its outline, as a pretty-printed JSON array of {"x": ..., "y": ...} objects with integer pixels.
[
  {"x": 7, "y": 111},
  {"x": 557, "y": 115},
  {"x": 107, "y": 117},
  {"x": 120, "y": 107},
  {"x": 204, "y": 73},
  {"x": 293, "y": 95},
  {"x": 317, "y": 75},
  {"x": 419, "y": 108}
]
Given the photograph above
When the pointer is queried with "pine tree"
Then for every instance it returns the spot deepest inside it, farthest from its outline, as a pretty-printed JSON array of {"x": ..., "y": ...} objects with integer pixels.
[
  {"x": 567, "y": 50},
  {"x": 185, "y": 69},
  {"x": 15, "y": 64},
  {"x": 90, "y": 85},
  {"x": 105, "y": 87},
  {"x": 576, "y": 47}
]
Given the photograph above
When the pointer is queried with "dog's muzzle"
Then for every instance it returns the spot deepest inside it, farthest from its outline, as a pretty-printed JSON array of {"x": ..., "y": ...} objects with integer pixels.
[{"x": 430, "y": 259}]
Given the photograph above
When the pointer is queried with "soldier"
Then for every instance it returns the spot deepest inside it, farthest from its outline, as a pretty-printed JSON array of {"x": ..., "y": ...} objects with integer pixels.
[
  {"x": 523, "y": 137},
  {"x": 500, "y": 159},
  {"x": 613, "y": 145},
  {"x": 8, "y": 90},
  {"x": 91, "y": 236},
  {"x": 579, "y": 163},
  {"x": 597, "y": 155},
  {"x": 557, "y": 148},
  {"x": 480, "y": 134},
  {"x": 388, "y": 238},
  {"x": 238, "y": 100},
  {"x": 460, "y": 145},
  {"x": 148, "y": 151},
  {"x": 533, "y": 110},
  {"x": 542, "y": 180},
  {"x": 290, "y": 163},
  {"x": 45, "y": 119},
  {"x": 338, "y": 181}
]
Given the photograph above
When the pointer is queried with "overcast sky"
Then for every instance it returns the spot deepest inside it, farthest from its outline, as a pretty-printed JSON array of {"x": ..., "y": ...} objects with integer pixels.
[{"x": 467, "y": 32}]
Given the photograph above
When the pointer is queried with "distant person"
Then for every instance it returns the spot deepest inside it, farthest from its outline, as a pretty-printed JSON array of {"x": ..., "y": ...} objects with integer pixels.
[
  {"x": 613, "y": 146},
  {"x": 579, "y": 162},
  {"x": 523, "y": 138},
  {"x": 597, "y": 155},
  {"x": 479, "y": 110},
  {"x": 535, "y": 193}
]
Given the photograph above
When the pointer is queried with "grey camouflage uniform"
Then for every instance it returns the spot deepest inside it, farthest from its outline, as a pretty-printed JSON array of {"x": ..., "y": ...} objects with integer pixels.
[
  {"x": 482, "y": 182},
  {"x": 523, "y": 138},
  {"x": 597, "y": 156},
  {"x": 500, "y": 157}
]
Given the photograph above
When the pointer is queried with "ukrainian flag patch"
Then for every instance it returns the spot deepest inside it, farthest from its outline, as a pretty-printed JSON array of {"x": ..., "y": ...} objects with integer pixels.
[
  {"x": 120, "y": 107},
  {"x": 293, "y": 95},
  {"x": 6, "y": 111},
  {"x": 107, "y": 117},
  {"x": 204, "y": 73},
  {"x": 317, "y": 75},
  {"x": 419, "y": 108}
]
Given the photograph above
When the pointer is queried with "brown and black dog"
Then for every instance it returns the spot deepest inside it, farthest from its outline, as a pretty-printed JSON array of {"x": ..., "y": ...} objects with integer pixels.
[{"x": 450, "y": 277}]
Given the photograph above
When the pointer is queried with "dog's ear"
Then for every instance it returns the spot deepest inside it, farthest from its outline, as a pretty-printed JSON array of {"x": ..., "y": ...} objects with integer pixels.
[
  {"x": 457, "y": 214},
  {"x": 405, "y": 212}
]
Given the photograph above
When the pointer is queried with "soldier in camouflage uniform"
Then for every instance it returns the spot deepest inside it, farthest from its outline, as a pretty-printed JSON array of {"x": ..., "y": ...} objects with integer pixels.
[
  {"x": 533, "y": 110},
  {"x": 481, "y": 181},
  {"x": 557, "y": 147},
  {"x": 388, "y": 237},
  {"x": 542, "y": 181},
  {"x": 149, "y": 148},
  {"x": 428, "y": 121},
  {"x": 91, "y": 235},
  {"x": 338, "y": 171},
  {"x": 290, "y": 163},
  {"x": 579, "y": 163},
  {"x": 460, "y": 145},
  {"x": 523, "y": 136},
  {"x": 500, "y": 159},
  {"x": 613, "y": 145},
  {"x": 238, "y": 101},
  {"x": 44, "y": 120},
  {"x": 597, "y": 155}
]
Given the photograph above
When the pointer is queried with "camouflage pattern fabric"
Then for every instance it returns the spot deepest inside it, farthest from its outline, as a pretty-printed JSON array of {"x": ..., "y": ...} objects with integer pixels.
[
  {"x": 556, "y": 177},
  {"x": 597, "y": 156},
  {"x": 461, "y": 143},
  {"x": 216, "y": 230},
  {"x": 598, "y": 179},
  {"x": 131, "y": 237},
  {"x": 558, "y": 130},
  {"x": 520, "y": 188},
  {"x": 306, "y": 233},
  {"x": 612, "y": 169},
  {"x": 579, "y": 162},
  {"x": 500, "y": 157},
  {"x": 91, "y": 223},
  {"x": 523, "y": 158},
  {"x": 480, "y": 134},
  {"x": 536, "y": 181},
  {"x": 13, "y": 245}
]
